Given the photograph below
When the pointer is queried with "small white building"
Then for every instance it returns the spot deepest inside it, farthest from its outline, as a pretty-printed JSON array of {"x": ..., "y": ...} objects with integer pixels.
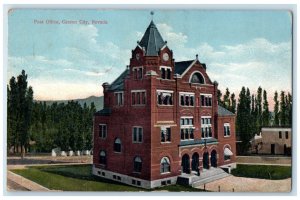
[{"x": 273, "y": 140}]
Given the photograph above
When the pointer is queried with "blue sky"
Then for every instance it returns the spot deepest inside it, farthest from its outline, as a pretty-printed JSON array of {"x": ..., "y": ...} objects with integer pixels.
[{"x": 63, "y": 61}]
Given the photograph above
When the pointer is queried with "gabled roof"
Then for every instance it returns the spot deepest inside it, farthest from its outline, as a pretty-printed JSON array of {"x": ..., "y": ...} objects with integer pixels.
[
  {"x": 224, "y": 112},
  {"x": 152, "y": 40},
  {"x": 181, "y": 66},
  {"x": 118, "y": 84}
]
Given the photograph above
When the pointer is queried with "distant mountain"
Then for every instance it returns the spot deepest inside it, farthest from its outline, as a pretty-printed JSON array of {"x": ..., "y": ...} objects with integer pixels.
[{"x": 98, "y": 101}]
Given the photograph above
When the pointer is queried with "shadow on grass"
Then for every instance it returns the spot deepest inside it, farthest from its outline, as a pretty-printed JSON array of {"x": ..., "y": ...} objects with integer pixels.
[{"x": 84, "y": 173}]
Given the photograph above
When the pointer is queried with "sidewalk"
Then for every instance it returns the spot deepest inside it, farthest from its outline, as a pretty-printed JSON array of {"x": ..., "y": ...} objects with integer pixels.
[
  {"x": 242, "y": 184},
  {"x": 19, "y": 181}
]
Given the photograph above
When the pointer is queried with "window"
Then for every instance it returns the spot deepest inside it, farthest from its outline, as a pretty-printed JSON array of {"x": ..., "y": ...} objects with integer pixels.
[
  {"x": 138, "y": 97},
  {"x": 164, "y": 97},
  {"x": 227, "y": 153},
  {"x": 117, "y": 145},
  {"x": 119, "y": 98},
  {"x": 187, "y": 128},
  {"x": 143, "y": 98},
  {"x": 102, "y": 130},
  {"x": 280, "y": 135},
  {"x": 226, "y": 130},
  {"x": 226, "y": 157},
  {"x": 165, "y": 133},
  {"x": 164, "y": 165},
  {"x": 169, "y": 74},
  {"x": 206, "y": 131},
  {"x": 206, "y": 100},
  {"x": 102, "y": 158},
  {"x": 197, "y": 78},
  {"x": 165, "y": 72},
  {"x": 138, "y": 73},
  {"x": 137, "y": 136},
  {"x": 286, "y": 135},
  {"x": 187, "y": 99},
  {"x": 137, "y": 165}
]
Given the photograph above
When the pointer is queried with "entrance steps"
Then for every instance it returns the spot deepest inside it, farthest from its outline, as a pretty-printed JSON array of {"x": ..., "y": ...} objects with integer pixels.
[{"x": 206, "y": 176}]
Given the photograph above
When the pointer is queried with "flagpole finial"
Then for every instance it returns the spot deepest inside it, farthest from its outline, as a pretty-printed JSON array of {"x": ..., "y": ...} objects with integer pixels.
[{"x": 152, "y": 13}]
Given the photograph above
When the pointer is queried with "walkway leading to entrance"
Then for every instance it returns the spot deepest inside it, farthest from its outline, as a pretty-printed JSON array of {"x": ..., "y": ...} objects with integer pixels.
[
  {"x": 241, "y": 184},
  {"x": 206, "y": 176}
]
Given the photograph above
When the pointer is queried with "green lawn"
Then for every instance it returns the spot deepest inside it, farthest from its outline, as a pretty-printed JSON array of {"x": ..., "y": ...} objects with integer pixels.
[
  {"x": 80, "y": 178},
  {"x": 263, "y": 171}
]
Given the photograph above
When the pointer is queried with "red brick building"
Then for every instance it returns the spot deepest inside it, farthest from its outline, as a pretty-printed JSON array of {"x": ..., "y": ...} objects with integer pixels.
[{"x": 161, "y": 119}]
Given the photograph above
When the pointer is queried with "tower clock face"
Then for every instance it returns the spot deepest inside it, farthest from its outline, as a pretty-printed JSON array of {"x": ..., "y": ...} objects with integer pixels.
[
  {"x": 137, "y": 56},
  {"x": 166, "y": 56}
]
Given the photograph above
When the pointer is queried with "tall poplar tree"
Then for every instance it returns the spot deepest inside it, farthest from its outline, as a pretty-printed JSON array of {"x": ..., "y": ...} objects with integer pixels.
[
  {"x": 282, "y": 118},
  {"x": 276, "y": 109},
  {"x": 226, "y": 99},
  {"x": 259, "y": 107},
  {"x": 243, "y": 124},
  {"x": 233, "y": 103},
  {"x": 266, "y": 112}
]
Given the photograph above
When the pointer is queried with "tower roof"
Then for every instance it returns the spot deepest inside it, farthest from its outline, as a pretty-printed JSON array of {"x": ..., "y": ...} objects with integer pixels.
[{"x": 152, "y": 40}]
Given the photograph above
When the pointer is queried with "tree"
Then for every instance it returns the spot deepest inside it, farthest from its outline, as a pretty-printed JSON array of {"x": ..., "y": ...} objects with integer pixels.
[
  {"x": 282, "y": 115},
  {"x": 233, "y": 103},
  {"x": 12, "y": 111},
  {"x": 20, "y": 100},
  {"x": 289, "y": 109},
  {"x": 226, "y": 99},
  {"x": 276, "y": 109},
  {"x": 219, "y": 95},
  {"x": 259, "y": 107},
  {"x": 266, "y": 112},
  {"x": 243, "y": 124}
]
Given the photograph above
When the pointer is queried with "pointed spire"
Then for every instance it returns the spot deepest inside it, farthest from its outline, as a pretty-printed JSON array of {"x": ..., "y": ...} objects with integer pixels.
[{"x": 152, "y": 40}]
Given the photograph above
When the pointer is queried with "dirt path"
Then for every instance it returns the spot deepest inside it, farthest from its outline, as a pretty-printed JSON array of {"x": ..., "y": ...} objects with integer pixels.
[{"x": 241, "y": 184}]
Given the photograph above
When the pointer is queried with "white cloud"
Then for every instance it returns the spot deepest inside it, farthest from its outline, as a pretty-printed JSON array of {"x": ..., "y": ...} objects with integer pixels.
[
  {"x": 174, "y": 38},
  {"x": 88, "y": 73}
]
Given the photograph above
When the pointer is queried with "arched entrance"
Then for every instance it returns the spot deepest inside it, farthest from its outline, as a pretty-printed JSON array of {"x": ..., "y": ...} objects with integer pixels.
[
  {"x": 185, "y": 164},
  {"x": 195, "y": 162},
  {"x": 206, "y": 160},
  {"x": 213, "y": 158}
]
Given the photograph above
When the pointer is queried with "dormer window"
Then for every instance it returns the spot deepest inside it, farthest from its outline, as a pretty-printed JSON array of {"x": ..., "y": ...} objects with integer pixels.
[
  {"x": 197, "y": 78},
  {"x": 165, "y": 72}
]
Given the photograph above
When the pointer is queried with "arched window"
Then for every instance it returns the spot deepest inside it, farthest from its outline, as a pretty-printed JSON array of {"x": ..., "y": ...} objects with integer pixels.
[
  {"x": 137, "y": 164},
  {"x": 197, "y": 78},
  {"x": 164, "y": 165},
  {"x": 102, "y": 158},
  {"x": 117, "y": 145}
]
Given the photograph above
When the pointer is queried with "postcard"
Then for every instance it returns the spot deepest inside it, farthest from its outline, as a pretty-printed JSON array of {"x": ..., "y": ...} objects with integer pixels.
[{"x": 105, "y": 100}]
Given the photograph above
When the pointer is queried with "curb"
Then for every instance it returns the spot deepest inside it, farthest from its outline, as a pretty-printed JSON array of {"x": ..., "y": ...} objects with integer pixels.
[{"x": 26, "y": 183}]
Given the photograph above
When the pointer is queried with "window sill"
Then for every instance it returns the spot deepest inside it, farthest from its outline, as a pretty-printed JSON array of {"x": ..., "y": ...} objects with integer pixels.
[
  {"x": 164, "y": 105},
  {"x": 206, "y": 106},
  {"x": 165, "y": 142},
  {"x": 187, "y": 106},
  {"x": 138, "y": 105},
  {"x": 163, "y": 173},
  {"x": 137, "y": 142},
  {"x": 186, "y": 139},
  {"x": 118, "y": 152},
  {"x": 227, "y": 136}
]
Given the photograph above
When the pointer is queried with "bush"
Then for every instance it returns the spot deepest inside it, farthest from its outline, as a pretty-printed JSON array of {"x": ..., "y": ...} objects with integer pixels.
[{"x": 263, "y": 171}]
